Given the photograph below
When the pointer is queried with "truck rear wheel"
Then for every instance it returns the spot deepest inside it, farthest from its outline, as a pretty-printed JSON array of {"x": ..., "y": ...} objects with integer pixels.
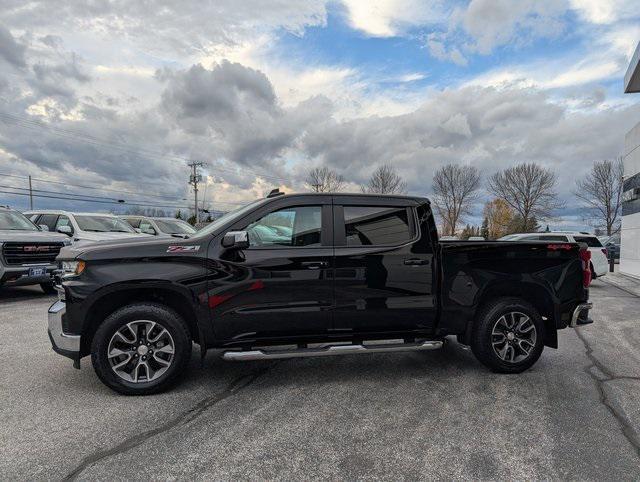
[
  {"x": 141, "y": 349},
  {"x": 508, "y": 335}
]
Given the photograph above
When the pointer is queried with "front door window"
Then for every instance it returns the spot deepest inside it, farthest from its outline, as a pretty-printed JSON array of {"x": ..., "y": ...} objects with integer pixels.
[{"x": 292, "y": 227}]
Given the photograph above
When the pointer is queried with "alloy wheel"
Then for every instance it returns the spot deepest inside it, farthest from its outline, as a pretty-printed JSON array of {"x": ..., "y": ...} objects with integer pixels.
[
  {"x": 141, "y": 351},
  {"x": 513, "y": 337}
]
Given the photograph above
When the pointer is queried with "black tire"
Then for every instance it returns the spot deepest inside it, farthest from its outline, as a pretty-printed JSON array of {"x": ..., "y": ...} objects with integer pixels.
[
  {"x": 48, "y": 288},
  {"x": 164, "y": 317},
  {"x": 482, "y": 340},
  {"x": 593, "y": 272}
]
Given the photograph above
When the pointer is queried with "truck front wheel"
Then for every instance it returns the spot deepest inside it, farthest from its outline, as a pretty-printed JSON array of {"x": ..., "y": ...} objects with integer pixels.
[
  {"x": 141, "y": 349},
  {"x": 508, "y": 335}
]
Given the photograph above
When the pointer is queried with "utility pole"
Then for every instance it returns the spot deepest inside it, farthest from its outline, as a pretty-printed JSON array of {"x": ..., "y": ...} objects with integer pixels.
[
  {"x": 194, "y": 179},
  {"x": 30, "y": 195}
]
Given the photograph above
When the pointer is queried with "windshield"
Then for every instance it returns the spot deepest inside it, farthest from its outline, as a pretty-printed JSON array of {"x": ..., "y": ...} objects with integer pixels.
[
  {"x": 15, "y": 221},
  {"x": 228, "y": 217},
  {"x": 174, "y": 226},
  {"x": 103, "y": 224}
]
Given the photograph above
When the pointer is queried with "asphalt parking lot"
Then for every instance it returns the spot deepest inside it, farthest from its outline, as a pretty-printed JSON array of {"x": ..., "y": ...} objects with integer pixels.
[{"x": 438, "y": 414}]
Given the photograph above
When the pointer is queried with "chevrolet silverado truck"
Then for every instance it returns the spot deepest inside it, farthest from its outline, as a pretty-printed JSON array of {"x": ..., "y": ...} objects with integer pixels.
[
  {"x": 27, "y": 254},
  {"x": 306, "y": 275}
]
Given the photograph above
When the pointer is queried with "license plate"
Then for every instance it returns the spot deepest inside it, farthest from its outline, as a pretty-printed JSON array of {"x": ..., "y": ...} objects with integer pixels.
[{"x": 35, "y": 272}]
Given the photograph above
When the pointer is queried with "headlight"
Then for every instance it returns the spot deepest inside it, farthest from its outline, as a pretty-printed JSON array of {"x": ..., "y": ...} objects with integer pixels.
[{"x": 72, "y": 268}]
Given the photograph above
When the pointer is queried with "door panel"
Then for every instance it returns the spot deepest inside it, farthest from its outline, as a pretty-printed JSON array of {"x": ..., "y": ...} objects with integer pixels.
[
  {"x": 383, "y": 288},
  {"x": 282, "y": 285}
]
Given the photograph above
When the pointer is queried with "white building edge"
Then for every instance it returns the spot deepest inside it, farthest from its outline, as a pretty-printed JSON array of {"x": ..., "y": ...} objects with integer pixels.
[{"x": 630, "y": 233}]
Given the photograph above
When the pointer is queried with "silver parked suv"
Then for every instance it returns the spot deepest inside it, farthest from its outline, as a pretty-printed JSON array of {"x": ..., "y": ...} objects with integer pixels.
[
  {"x": 27, "y": 253},
  {"x": 158, "y": 226}
]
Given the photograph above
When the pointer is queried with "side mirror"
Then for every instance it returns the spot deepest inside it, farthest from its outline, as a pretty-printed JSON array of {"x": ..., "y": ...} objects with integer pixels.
[
  {"x": 150, "y": 231},
  {"x": 65, "y": 230},
  {"x": 236, "y": 240},
  {"x": 137, "y": 230},
  {"x": 43, "y": 227}
]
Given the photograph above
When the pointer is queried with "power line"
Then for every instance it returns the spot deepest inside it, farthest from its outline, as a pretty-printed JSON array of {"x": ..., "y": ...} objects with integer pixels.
[
  {"x": 94, "y": 200},
  {"x": 88, "y": 198},
  {"x": 88, "y": 138},
  {"x": 88, "y": 187},
  {"x": 56, "y": 192},
  {"x": 107, "y": 190}
]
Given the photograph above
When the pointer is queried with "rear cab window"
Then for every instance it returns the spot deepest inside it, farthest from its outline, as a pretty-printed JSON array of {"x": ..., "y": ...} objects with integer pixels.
[{"x": 553, "y": 237}]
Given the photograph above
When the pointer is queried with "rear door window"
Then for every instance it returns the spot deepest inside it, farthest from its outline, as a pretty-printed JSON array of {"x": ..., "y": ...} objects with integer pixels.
[
  {"x": 591, "y": 241},
  {"x": 377, "y": 226}
]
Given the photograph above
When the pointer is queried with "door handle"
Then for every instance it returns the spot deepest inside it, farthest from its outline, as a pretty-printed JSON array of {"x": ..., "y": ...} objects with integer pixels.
[
  {"x": 314, "y": 264},
  {"x": 416, "y": 262}
]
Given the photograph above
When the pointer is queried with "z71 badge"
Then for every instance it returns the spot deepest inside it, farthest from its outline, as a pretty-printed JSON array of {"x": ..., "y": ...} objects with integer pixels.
[{"x": 182, "y": 249}]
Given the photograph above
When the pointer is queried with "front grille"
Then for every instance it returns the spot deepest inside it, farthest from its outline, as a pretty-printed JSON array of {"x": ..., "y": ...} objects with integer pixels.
[{"x": 30, "y": 253}]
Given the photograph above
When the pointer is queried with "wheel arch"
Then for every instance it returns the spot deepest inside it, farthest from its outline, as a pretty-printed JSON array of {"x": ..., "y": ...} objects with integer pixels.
[
  {"x": 534, "y": 294},
  {"x": 112, "y": 298}
]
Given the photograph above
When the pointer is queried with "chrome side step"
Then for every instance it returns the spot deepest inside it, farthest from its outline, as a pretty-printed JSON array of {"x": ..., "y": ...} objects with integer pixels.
[{"x": 330, "y": 350}]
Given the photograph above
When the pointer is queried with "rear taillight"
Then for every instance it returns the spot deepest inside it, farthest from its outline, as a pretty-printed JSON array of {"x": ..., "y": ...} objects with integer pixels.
[
  {"x": 604, "y": 251},
  {"x": 585, "y": 257}
]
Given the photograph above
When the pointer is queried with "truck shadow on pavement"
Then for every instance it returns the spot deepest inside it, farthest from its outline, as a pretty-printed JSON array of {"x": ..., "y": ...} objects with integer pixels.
[
  {"x": 442, "y": 364},
  {"x": 450, "y": 361}
]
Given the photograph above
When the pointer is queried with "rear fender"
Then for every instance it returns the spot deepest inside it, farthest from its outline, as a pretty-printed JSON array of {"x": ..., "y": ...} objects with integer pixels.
[{"x": 539, "y": 296}]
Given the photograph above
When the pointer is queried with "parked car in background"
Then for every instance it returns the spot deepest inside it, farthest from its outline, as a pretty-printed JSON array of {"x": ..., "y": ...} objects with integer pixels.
[
  {"x": 612, "y": 244},
  {"x": 28, "y": 253},
  {"x": 599, "y": 261},
  {"x": 160, "y": 226},
  {"x": 476, "y": 238},
  {"x": 88, "y": 227}
]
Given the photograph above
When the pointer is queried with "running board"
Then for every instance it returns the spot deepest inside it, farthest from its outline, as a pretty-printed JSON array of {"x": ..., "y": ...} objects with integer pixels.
[{"x": 331, "y": 350}]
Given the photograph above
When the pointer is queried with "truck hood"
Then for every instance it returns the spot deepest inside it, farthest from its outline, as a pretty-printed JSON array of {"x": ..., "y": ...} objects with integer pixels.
[
  {"x": 31, "y": 236},
  {"x": 133, "y": 247}
]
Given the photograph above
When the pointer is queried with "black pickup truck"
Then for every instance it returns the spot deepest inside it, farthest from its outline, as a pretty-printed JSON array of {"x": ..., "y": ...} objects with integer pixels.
[{"x": 312, "y": 275}]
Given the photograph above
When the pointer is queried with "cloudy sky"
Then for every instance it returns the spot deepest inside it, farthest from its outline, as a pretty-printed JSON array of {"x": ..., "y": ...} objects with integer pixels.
[{"x": 112, "y": 98}]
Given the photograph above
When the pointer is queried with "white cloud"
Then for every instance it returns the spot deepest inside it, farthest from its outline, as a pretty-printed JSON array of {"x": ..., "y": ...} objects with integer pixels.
[
  {"x": 457, "y": 124},
  {"x": 606, "y": 11},
  {"x": 436, "y": 43},
  {"x": 413, "y": 77},
  {"x": 388, "y": 18}
]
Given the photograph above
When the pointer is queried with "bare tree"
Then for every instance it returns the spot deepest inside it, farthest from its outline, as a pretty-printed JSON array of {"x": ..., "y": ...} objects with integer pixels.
[
  {"x": 385, "y": 180},
  {"x": 529, "y": 189},
  {"x": 323, "y": 179},
  {"x": 455, "y": 190},
  {"x": 601, "y": 191}
]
